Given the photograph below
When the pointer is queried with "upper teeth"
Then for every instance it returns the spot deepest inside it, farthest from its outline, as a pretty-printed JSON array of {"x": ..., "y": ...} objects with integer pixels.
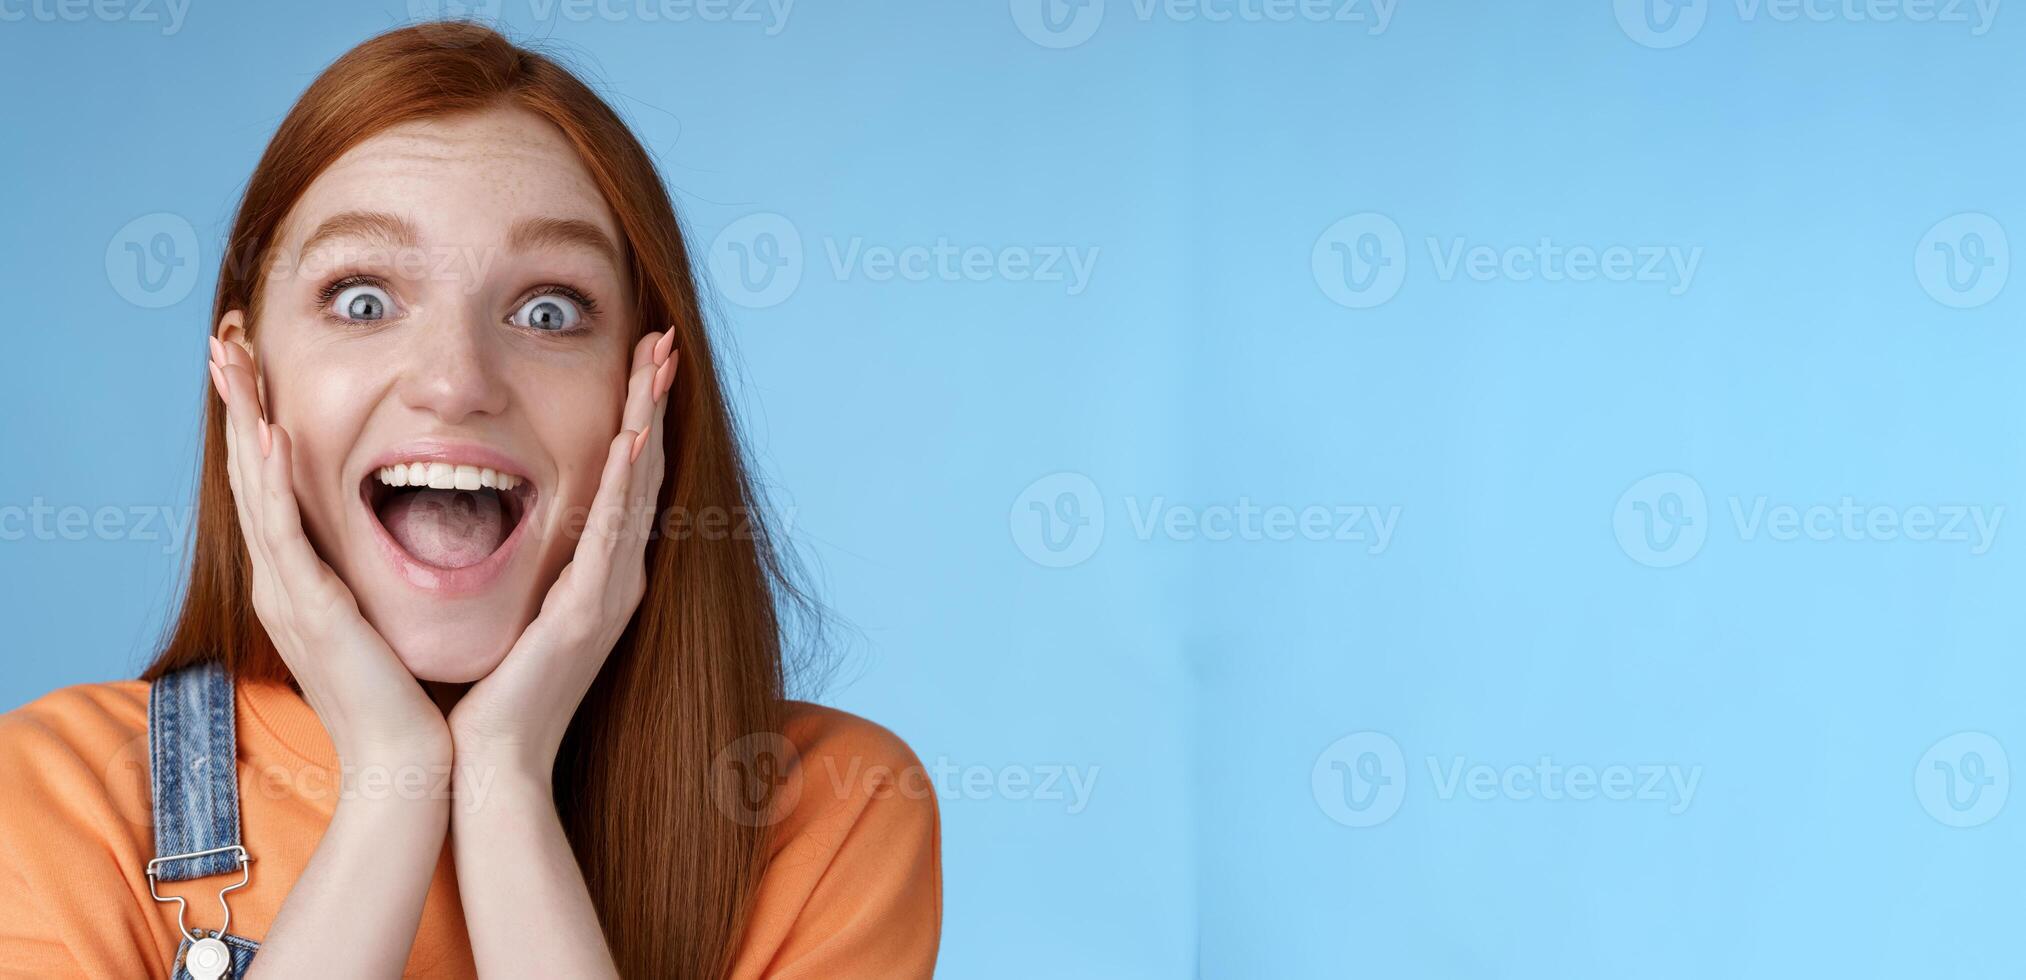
[{"x": 446, "y": 476}]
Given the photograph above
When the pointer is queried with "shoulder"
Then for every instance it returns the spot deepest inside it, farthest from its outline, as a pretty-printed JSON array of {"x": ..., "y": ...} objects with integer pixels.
[
  {"x": 76, "y": 831},
  {"x": 89, "y": 725},
  {"x": 831, "y": 737},
  {"x": 76, "y": 754},
  {"x": 842, "y": 767},
  {"x": 855, "y": 876}
]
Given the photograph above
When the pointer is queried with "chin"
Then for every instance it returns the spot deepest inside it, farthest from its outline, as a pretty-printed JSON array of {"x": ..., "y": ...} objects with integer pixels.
[{"x": 451, "y": 649}]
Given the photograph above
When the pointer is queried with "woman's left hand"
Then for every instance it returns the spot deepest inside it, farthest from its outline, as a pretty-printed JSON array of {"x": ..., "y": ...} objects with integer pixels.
[{"x": 516, "y": 715}]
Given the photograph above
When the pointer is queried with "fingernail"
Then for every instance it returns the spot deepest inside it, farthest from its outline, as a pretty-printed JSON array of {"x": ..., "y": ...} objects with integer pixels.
[
  {"x": 664, "y": 345},
  {"x": 663, "y": 377},
  {"x": 639, "y": 443},
  {"x": 217, "y": 379},
  {"x": 217, "y": 351},
  {"x": 266, "y": 441}
]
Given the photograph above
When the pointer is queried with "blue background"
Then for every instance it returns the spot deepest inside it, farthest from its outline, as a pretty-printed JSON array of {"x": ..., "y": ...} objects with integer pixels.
[{"x": 1232, "y": 693}]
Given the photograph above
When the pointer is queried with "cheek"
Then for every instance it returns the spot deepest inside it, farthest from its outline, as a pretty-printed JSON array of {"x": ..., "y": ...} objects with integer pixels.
[
  {"x": 322, "y": 409},
  {"x": 580, "y": 428}
]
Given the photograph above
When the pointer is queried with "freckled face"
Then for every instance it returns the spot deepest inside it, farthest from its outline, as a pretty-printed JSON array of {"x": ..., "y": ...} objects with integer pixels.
[{"x": 444, "y": 335}]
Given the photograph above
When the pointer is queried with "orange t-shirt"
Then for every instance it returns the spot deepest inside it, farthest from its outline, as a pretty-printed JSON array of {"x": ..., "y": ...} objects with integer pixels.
[{"x": 854, "y": 888}]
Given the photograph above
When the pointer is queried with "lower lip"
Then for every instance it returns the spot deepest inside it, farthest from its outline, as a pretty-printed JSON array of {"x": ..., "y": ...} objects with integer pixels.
[{"x": 450, "y": 582}]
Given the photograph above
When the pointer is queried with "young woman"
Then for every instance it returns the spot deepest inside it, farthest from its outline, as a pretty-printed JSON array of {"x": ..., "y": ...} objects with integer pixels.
[{"x": 479, "y": 670}]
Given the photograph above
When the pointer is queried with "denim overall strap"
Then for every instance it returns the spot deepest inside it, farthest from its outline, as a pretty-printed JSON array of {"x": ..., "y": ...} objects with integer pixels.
[{"x": 193, "y": 774}]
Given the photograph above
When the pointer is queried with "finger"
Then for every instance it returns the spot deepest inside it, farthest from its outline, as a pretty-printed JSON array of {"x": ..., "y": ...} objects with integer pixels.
[
  {"x": 244, "y": 401},
  {"x": 639, "y": 387},
  {"x": 664, "y": 379},
  {"x": 247, "y": 445},
  {"x": 232, "y": 477},
  {"x": 237, "y": 354},
  {"x": 607, "y": 523},
  {"x": 242, "y": 452},
  {"x": 240, "y": 422},
  {"x": 649, "y": 451},
  {"x": 295, "y": 562},
  {"x": 263, "y": 589}
]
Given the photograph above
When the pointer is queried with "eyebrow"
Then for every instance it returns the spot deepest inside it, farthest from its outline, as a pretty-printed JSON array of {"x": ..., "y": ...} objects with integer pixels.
[
  {"x": 527, "y": 234},
  {"x": 389, "y": 228},
  {"x": 531, "y": 233}
]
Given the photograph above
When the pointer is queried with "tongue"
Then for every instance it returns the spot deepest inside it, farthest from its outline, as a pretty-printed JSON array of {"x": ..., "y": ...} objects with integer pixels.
[{"x": 446, "y": 528}]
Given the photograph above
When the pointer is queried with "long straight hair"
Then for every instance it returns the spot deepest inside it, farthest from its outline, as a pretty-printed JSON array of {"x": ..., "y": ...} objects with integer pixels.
[{"x": 700, "y": 666}]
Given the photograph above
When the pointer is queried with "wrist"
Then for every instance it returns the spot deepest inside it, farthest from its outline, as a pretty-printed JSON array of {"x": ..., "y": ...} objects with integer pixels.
[
  {"x": 498, "y": 759},
  {"x": 426, "y": 749},
  {"x": 499, "y": 785}
]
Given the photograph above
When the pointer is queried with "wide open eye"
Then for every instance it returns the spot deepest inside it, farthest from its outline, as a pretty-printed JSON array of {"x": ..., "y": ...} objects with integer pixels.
[
  {"x": 552, "y": 312},
  {"x": 363, "y": 302}
]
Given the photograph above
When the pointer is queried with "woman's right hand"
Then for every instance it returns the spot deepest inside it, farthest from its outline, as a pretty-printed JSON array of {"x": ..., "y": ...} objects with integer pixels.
[{"x": 373, "y": 708}]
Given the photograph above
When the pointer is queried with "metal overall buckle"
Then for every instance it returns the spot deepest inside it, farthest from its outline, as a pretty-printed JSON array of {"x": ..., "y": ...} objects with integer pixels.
[{"x": 208, "y": 957}]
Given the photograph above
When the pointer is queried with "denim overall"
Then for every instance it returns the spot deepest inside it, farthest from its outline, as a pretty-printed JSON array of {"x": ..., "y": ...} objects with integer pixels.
[{"x": 194, "y": 777}]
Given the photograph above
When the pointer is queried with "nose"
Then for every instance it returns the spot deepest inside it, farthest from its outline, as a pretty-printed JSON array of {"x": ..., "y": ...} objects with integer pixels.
[{"x": 449, "y": 368}]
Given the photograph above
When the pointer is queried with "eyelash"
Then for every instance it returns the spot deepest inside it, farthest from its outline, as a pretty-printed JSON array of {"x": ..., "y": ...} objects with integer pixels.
[
  {"x": 585, "y": 304},
  {"x": 339, "y": 285}
]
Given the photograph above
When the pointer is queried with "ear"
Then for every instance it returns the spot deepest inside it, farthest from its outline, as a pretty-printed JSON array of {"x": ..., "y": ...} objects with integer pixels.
[{"x": 232, "y": 329}]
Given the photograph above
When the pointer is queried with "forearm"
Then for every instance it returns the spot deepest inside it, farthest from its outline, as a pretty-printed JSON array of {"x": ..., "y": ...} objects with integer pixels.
[
  {"x": 354, "y": 910},
  {"x": 519, "y": 880}
]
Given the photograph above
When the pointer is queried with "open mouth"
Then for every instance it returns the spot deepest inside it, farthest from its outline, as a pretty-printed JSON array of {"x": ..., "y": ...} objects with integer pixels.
[{"x": 447, "y": 515}]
